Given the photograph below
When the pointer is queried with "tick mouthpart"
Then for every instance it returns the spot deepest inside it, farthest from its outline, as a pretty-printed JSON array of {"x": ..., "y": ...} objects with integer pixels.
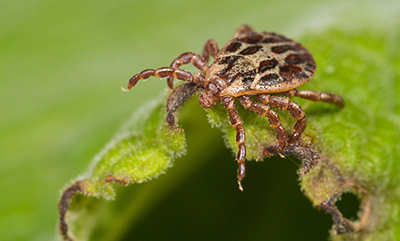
[{"x": 207, "y": 101}]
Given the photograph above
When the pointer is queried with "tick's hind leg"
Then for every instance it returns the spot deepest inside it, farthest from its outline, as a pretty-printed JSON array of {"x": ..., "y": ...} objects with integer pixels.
[
  {"x": 236, "y": 122},
  {"x": 273, "y": 118},
  {"x": 294, "y": 109},
  {"x": 316, "y": 96}
]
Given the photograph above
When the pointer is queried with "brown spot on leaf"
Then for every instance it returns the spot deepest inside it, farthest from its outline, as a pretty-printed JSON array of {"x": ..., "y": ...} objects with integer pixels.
[{"x": 112, "y": 178}]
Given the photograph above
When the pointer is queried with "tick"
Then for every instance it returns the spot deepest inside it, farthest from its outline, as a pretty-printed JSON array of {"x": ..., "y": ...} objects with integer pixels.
[{"x": 265, "y": 65}]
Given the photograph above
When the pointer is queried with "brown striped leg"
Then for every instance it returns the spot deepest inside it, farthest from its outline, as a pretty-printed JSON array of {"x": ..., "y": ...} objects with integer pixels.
[
  {"x": 197, "y": 60},
  {"x": 294, "y": 109},
  {"x": 316, "y": 96},
  {"x": 161, "y": 73},
  {"x": 236, "y": 122},
  {"x": 244, "y": 29},
  {"x": 273, "y": 118},
  {"x": 210, "y": 48}
]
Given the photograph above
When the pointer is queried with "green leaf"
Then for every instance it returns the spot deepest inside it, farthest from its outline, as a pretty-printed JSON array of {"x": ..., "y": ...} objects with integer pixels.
[
  {"x": 144, "y": 148},
  {"x": 362, "y": 139},
  {"x": 358, "y": 146},
  {"x": 62, "y": 67},
  {"x": 354, "y": 149}
]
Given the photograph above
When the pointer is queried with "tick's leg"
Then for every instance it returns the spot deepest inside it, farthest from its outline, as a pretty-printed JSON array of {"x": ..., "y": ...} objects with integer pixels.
[
  {"x": 316, "y": 96},
  {"x": 236, "y": 122},
  {"x": 244, "y": 29},
  {"x": 180, "y": 94},
  {"x": 273, "y": 118},
  {"x": 161, "y": 73},
  {"x": 294, "y": 109},
  {"x": 210, "y": 48},
  {"x": 197, "y": 60}
]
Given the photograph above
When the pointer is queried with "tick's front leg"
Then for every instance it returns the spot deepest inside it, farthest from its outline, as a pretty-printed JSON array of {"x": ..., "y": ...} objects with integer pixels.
[
  {"x": 197, "y": 60},
  {"x": 161, "y": 73},
  {"x": 243, "y": 30},
  {"x": 236, "y": 122},
  {"x": 210, "y": 48}
]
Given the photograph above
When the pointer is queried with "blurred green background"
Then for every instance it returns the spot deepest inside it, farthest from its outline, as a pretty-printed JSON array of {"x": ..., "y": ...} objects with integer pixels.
[{"x": 62, "y": 64}]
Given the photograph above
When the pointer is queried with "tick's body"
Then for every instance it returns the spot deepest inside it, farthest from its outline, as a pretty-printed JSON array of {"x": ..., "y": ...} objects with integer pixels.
[
  {"x": 252, "y": 63},
  {"x": 261, "y": 63}
]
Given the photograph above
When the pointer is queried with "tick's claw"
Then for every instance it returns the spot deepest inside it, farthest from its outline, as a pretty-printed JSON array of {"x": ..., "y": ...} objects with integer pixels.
[
  {"x": 241, "y": 174},
  {"x": 240, "y": 186}
]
